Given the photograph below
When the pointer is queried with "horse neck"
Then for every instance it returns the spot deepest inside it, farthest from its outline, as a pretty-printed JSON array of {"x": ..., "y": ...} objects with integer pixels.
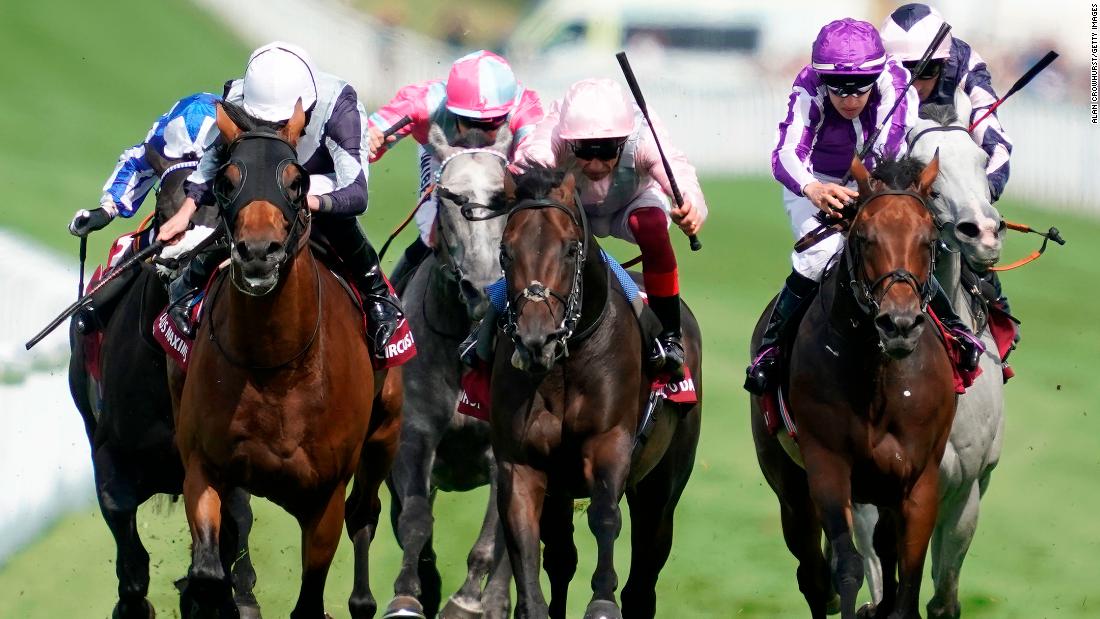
[
  {"x": 275, "y": 327},
  {"x": 594, "y": 287},
  {"x": 442, "y": 295}
]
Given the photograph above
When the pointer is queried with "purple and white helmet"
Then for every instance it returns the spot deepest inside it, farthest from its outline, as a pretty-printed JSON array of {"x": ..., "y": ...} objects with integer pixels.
[{"x": 848, "y": 53}]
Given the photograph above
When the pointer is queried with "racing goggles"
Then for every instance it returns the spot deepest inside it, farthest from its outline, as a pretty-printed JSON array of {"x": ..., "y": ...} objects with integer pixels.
[
  {"x": 849, "y": 85},
  {"x": 932, "y": 70},
  {"x": 604, "y": 149},
  {"x": 484, "y": 124}
]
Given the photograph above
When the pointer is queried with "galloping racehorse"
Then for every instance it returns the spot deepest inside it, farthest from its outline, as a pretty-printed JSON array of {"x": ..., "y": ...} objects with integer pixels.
[
  {"x": 972, "y": 229},
  {"x": 872, "y": 396},
  {"x": 568, "y": 394},
  {"x": 442, "y": 450},
  {"x": 278, "y": 394},
  {"x": 127, "y": 411}
]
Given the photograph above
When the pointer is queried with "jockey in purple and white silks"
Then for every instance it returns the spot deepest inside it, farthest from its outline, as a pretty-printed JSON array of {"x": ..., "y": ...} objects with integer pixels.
[
  {"x": 955, "y": 70},
  {"x": 836, "y": 103},
  {"x": 179, "y": 134},
  {"x": 480, "y": 92},
  {"x": 333, "y": 149}
]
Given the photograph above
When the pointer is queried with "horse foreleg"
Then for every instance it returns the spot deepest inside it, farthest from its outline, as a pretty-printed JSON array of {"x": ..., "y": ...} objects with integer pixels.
[
  {"x": 320, "y": 536},
  {"x": 238, "y": 507},
  {"x": 411, "y": 479},
  {"x": 520, "y": 493},
  {"x": 484, "y": 558},
  {"x": 606, "y": 469},
  {"x": 951, "y": 539},
  {"x": 865, "y": 517},
  {"x": 917, "y": 518},
  {"x": 362, "y": 512},
  {"x": 829, "y": 478},
  {"x": 208, "y": 591},
  {"x": 119, "y": 499},
  {"x": 560, "y": 553}
]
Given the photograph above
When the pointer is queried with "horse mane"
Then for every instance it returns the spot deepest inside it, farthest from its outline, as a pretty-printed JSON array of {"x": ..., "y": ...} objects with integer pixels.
[
  {"x": 473, "y": 138},
  {"x": 536, "y": 180},
  {"x": 944, "y": 114},
  {"x": 897, "y": 172}
]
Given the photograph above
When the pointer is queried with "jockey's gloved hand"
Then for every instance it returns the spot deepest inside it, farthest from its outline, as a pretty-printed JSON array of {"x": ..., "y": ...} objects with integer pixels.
[{"x": 85, "y": 222}]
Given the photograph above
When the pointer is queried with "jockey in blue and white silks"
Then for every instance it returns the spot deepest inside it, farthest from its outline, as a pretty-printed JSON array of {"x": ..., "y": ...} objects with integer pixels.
[
  {"x": 955, "y": 70},
  {"x": 836, "y": 103},
  {"x": 181, "y": 133}
]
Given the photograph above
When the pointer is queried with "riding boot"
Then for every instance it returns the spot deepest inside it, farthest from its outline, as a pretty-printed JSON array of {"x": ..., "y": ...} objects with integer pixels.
[
  {"x": 183, "y": 290},
  {"x": 760, "y": 374},
  {"x": 971, "y": 348},
  {"x": 668, "y": 351},
  {"x": 406, "y": 265},
  {"x": 478, "y": 345},
  {"x": 383, "y": 308}
]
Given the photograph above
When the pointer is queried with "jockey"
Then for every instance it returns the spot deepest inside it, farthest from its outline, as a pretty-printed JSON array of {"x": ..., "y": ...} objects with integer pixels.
[
  {"x": 835, "y": 104},
  {"x": 480, "y": 93},
  {"x": 332, "y": 149},
  {"x": 181, "y": 133},
  {"x": 598, "y": 132},
  {"x": 955, "y": 70}
]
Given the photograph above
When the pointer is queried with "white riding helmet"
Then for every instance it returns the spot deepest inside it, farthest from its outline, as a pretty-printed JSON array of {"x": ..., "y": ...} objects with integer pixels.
[
  {"x": 277, "y": 75},
  {"x": 909, "y": 31}
]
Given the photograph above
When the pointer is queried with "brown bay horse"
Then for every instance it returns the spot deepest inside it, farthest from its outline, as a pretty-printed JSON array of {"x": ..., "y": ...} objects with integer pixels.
[
  {"x": 278, "y": 397},
  {"x": 568, "y": 394},
  {"x": 872, "y": 396}
]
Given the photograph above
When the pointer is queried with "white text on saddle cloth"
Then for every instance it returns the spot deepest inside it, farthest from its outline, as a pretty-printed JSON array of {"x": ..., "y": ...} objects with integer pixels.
[
  {"x": 398, "y": 350},
  {"x": 680, "y": 392},
  {"x": 175, "y": 345}
]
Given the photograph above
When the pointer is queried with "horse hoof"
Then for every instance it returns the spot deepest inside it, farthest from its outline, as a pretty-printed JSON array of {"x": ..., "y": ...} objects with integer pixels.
[
  {"x": 129, "y": 610},
  {"x": 249, "y": 611},
  {"x": 458, "y": 608},
  {"x": 867, "y": 611},
  {"x": 602, "y": 609},
  {"x": 833, "y": 606},
  {"x": 404, "y": 607}
]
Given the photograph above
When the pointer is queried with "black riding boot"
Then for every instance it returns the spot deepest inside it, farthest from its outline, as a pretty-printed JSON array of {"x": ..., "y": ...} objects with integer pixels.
[
  {"x": 668, "y": 353},
  {"x": 184, "y": 288},
  {"x": 972, "y": 348},
  {"x": 406, "y": 265},
  {"x": 383, "y": 309},
  {"x": 760, "y": 374}
]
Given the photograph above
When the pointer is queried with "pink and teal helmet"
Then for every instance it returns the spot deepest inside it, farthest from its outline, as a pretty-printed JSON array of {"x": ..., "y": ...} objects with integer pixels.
[
  {"x": 481, "y": 85},
  {"x": 848, "y": 54}
]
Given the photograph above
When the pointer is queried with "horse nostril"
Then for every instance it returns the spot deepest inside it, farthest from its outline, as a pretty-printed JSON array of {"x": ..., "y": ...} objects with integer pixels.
[
  {"x": 898, "y": 326},
  {"x": 968, "y": 228},
  {"x": 885, "y": 324},
  {"x": 243, "y": 250},
  {"x": 468, "y": 290},
  {"x": 273, "y": 247}
]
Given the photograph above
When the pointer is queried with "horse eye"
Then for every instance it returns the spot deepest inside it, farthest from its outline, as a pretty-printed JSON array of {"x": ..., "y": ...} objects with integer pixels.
[{"x": 935, "y": 195}]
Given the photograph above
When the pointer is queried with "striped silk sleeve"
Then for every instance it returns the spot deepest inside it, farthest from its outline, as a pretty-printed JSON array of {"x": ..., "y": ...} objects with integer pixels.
[
  {"x": 990, "y": 135},
  {"x": 794, "y": 138}
]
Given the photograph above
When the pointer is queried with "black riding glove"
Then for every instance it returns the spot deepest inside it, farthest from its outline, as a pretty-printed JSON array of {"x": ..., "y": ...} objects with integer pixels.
[{"x": 86, "y": 222}]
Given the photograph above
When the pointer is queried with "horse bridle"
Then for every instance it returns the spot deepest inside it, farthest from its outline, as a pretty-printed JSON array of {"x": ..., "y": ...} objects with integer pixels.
[
  {"x": 536, "y": 292},
  {"x": 864, "y": 292},
  {"x": 465, "y": 205}
]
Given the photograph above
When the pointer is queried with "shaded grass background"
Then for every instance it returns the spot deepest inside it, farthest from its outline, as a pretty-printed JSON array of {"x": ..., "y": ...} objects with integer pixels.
[{"x": 90, "y": 81}]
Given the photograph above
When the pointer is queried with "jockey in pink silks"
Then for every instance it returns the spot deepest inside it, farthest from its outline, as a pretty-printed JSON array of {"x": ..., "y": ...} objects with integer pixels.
[
  {"x": 481, "y": 92},
  {"x": 597, "y": 132},
  {"x": 836, "y": 102}
]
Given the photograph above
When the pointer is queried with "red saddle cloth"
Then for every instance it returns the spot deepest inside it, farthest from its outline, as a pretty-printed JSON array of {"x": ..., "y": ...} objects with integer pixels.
[
  {"x": 399, "y": 350},
  {"x": 475, "y": 397}
]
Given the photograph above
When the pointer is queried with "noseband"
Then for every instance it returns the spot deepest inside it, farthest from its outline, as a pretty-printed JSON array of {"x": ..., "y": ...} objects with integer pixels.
[
  {"x": 864, "y": 292},
  {"x": 453, "y": 270},
  {"x": 536, "y": 292}
]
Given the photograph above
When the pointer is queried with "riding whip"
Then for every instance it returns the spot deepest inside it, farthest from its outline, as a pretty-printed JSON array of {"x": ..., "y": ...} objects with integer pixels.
[
  {"x": 1020, "y": 83},
  {"x": 696, "y": 245},
  {"x": 85, "y": 299},
  {"x": 1053, "y": 234},
  {"x": 827, "y": 228},
  {"x": 83, "y": 259}
]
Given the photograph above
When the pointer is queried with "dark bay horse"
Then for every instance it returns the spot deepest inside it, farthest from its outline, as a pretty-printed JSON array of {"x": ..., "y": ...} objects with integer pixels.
[
  {"x": 568, "y": 393},
  {"x": 441, "y": 449},
  {"x": 278, "y": 396},
  {"x": 872, "y": 396},
  {"x": 127, "y": 411}
]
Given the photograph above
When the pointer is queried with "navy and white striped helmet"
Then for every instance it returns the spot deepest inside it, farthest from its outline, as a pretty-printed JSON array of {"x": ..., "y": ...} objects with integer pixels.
[{"x": 909, "y": 31}]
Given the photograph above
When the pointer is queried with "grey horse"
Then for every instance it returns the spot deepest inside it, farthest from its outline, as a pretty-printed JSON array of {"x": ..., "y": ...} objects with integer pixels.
[
  {"x": 440, "y": 449},
  {"x": 972, "y": 230}
]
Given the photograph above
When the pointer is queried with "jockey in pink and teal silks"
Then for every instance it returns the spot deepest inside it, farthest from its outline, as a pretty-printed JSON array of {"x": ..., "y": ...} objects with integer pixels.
[
  {"x": 835, "y": 105},
  {"x": 480, "y": 92}
]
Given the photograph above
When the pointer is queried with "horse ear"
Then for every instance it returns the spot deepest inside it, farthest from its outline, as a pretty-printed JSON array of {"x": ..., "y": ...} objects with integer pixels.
[
  {"x": 862, "y": 176},
  {"x": 503, "y": 143},
  {"x": 439, "y": 143},
  {"x": 226, "y": 126},
  {"x": 928, "y": 175},
  {"x": 156, "y": 160},
  {"x": 567, "y": 187},
  {"x": 509, "y": 185},
  {"x": 293, "y": 129}
]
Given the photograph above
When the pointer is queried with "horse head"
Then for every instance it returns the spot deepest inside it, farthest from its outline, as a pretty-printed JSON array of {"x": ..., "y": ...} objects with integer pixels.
[
  {"x": 172, "y": 173},
  {"x": 542, "y": 252},
  {"x": 261, "y": 192},
  {"x": 892, "y": 241},
  {"x": 961, "y": 200},
  {"x": 470, "y": 188}
]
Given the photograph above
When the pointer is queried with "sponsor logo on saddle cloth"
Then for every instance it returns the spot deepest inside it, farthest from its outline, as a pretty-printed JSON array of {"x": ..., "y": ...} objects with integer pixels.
[
  {"x": 475, "y": 396},
  {"x": 398, "y": 350},
  {"x": 175, "y": 345}
]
